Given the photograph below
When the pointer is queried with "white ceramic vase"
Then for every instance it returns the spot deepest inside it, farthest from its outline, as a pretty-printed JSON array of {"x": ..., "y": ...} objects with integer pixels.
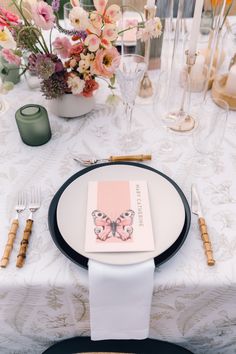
[{"x": 71, "y": 106}]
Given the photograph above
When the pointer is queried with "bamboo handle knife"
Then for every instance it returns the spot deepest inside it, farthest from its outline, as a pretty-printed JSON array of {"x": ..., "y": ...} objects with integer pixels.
[{"x": 206, "y": 241}]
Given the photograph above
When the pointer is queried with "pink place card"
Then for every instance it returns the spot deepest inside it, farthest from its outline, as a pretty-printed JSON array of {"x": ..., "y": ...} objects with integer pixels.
[{"x": 118, "y": 217}]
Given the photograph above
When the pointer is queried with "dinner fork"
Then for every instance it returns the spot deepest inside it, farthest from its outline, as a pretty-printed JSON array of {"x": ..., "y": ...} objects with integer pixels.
[
  {"x": 19, "y": 207},
  {"x": 34, "y": 205}
]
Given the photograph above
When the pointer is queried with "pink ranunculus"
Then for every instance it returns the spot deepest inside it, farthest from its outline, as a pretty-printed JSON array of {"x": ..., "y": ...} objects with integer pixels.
[
  {"x": 62, "y": 46},
  {"x": 10, "y": 57},
  {"x": 43, "y": 16},
  {"x": 7, "y": 18},
  {"x": 90, "y": 86},
  {"x": 106, "y": 62},
  {"x": 76, "y": 49}
]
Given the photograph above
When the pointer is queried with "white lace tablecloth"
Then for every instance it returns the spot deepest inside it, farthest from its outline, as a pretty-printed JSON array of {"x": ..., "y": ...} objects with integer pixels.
[{"x": 47, "y": 300}]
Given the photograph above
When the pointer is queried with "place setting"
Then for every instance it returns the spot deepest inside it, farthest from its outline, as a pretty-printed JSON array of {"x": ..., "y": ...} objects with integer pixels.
[{"x": 62, "y": 225}]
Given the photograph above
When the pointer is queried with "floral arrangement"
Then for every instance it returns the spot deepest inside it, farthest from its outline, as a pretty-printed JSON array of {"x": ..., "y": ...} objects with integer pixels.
[{"x": 72, "y": 62}]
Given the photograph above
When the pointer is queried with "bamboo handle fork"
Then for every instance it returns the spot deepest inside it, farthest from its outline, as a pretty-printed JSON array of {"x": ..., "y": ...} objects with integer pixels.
[
  {"x": 34, "y": 205},
  {"x": 19, "y": 207}
]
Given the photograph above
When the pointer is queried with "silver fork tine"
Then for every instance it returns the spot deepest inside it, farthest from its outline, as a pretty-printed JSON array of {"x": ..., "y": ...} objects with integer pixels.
[
  {"x": 21, "y": 198},
  {"x": 31, "y": 196},
  {"x": 37, "y": 196}
]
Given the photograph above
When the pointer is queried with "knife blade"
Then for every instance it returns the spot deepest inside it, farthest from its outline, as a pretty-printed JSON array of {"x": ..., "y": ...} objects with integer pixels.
[{"x": 197, "y": 209}]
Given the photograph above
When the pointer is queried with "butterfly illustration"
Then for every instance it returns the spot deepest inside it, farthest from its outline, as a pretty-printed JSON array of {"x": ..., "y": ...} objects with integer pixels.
[{"x": 120, "y": 228}]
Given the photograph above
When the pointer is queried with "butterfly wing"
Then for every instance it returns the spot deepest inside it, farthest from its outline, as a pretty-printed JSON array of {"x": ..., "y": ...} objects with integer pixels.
[
  {"x": 103, "y": 223},
  {"x": 124, "y": 223}
]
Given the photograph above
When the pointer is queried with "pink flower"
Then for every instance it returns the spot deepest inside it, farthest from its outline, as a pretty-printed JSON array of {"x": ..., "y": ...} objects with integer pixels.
[
  {"x": 10, "y": 57},
  {"x": 75, "y": 84},
  {"x": 152, "y": 29},
  {"x": 7, "y": 18},
  {"x": 110, "y": 32},
  {"x": 74, "y": 3},
  {"x": 105, "y": 43},
  {"x": 76, "y": 49},
  {"x": 95, "y": 23},
  {"x": 79, "y": 18},
  {"x": 62, "y": 46},
  {"x": 43, "y": 16},
  {"x": 90, "y": 86},
  {"x": 106, "y": 62},
  {"x": 100, "y": 5},
  {"x": 112, "y": 14},
  {"x": 93, "y": 42}
]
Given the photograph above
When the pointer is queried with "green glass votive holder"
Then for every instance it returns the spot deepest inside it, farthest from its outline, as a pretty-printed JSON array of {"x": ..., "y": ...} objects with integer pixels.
[
  {"x": 33, "y": 124},
  {"x": 9, "y": 72}
]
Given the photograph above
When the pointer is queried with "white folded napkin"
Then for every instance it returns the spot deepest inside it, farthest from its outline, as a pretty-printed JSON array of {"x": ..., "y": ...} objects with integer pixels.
[{"x": 120, "y": 300}]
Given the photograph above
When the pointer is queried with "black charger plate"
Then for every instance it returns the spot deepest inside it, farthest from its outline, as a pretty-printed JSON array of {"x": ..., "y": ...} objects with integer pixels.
[{"x": 82, "y": 260}]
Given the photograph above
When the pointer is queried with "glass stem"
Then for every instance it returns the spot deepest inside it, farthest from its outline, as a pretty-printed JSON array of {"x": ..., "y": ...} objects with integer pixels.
[
  {"x": 129, "y": 106},
  {"x": 186, "y": 96}
]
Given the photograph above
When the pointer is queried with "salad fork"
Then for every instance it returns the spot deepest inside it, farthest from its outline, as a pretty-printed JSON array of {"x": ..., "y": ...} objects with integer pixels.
[
  {"x": 19, "y": 207},
  {"x": 34, "y": 205}
]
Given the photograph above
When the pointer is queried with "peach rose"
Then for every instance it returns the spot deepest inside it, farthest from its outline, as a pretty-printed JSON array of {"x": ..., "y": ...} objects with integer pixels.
[{"x": 106, "y": 62}]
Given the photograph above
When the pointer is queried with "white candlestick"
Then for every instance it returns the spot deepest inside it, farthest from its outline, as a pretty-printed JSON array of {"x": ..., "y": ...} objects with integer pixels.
[
  {"x": 150, "y": 4},
  {"x": 230, "y": 86},
  {"x": 197, "y": 75},
  {"x": 195, "y": 27},
  {"x": 197, "y": 68}
]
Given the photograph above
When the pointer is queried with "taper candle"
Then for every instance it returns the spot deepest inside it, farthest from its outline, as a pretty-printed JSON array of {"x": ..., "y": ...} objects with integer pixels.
[
  {"x": 195, "y": 27},
  {"x": 197, "y": 68},
  {"x": 150, "y": 4}
]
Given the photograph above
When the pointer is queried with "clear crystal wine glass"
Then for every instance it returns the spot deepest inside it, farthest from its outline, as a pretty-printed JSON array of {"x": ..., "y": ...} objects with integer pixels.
[
  {"x": 168, "y": 150},
  {"x": 129, "y": 75},
  {"x": 209, "y": 134}
]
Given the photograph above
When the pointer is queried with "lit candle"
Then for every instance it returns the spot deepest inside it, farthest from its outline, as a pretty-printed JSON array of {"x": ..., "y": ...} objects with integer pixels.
[
  {"x": 150, "y": 4},
  {"x": 195, "y": 27},
  {"x": 230, "y": 86}
]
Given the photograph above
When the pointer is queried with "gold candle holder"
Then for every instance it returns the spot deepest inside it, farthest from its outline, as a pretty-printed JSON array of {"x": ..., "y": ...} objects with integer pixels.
[
  {"x": 219, "y": 92},
  {"x": 146, "y": 88}
]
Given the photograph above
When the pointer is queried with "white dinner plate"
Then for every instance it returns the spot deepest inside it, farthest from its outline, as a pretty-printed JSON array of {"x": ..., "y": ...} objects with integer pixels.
[{"x": 167, "y": 211}]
